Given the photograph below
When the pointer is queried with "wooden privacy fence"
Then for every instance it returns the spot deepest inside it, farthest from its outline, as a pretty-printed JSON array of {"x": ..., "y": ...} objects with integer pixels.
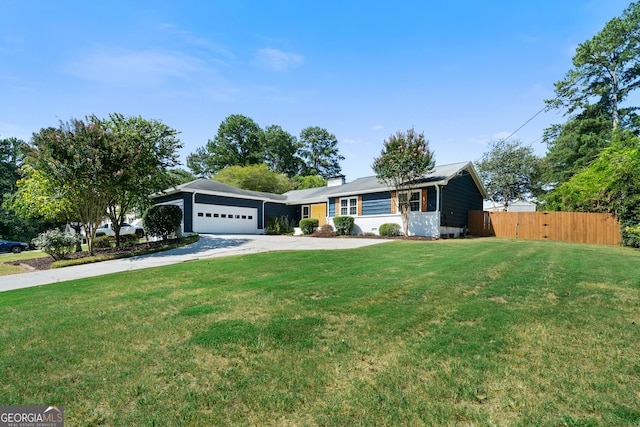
[{"x": 579, "y": 227}]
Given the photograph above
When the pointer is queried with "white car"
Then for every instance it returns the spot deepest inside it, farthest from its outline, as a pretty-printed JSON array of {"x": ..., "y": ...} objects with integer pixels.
[{"x": 125, "y": 229}]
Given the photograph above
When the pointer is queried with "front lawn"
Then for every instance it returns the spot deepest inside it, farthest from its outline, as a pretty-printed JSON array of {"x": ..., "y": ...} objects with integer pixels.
[{"x": 458, "y": 332}]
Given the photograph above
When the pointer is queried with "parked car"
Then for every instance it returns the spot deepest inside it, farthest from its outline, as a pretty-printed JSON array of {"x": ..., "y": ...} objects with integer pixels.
[
  {"x": 15, "y": 247},
  {"x": 125, "y": 229}
]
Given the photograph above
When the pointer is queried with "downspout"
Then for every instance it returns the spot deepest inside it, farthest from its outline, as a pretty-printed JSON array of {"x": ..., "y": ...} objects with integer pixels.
[
  {"x": 438, "y": 210},
  {"x": 264, "y": 228},
  {"x": 193, "y": 208}
]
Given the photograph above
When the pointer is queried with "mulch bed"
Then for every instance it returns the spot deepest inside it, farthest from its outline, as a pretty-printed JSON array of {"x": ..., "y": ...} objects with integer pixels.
[{"x": 44, "y": 263}]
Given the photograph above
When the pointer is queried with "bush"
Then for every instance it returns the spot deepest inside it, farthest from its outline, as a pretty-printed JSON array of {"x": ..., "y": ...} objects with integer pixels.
[
  {"x": 308, "y": 225},
  {"x": 631, "y": 236},
  {"x": 56, "y": 243},
  {"x": 389, "y": 230},
  {"x": 129, "y": 239},
  {"x": 102, "y": 242},
  {"x": 279, "y": 225},
  {"x": 162, "y": 220},
  {"x": 344, "y": 225},
  {"x": 325, "y": 231}
]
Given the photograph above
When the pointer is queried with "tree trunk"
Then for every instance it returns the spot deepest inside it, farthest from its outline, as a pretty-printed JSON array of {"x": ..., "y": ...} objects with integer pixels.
[
  {"x": 404, "y": 209},
  {"x": 78, "y": 229}
]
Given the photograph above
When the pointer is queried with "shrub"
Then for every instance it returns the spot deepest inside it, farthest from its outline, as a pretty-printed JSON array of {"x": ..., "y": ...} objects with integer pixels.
[
  {"x": 56, "y": 243},
  {"x": 162, "y": 220},
  {"x": 129, "y": 239},
  {"x": 325, "y": 231},
  {"x": 279, "y": 225},
  {"x": 389, "y": 230},
  {"x": 344, "y": 225},
  {"x": 102, "y": 242},
  {"x": 308, "y": 225},
  {"x": 631, "y": 235}
]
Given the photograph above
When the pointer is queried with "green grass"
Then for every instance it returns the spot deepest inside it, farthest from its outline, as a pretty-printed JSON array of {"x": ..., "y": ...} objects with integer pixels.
[
  {"x": 14, "y": 269},
  {"x": 466, "y": 332}
]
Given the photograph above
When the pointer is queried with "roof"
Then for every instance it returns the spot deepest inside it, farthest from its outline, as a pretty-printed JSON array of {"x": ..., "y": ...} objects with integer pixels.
[
  {"x": 439, "y": 175},
  {"x": 210, "y": 186}
]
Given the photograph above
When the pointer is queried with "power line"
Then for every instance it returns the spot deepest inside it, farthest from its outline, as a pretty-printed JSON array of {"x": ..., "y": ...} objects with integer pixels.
[{"x": 526, "y": 123}]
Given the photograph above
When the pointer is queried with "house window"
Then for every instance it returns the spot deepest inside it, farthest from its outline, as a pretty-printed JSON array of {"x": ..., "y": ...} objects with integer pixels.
[
  {"x": 306, "y": 212},
  {"x": 414, "y": 200},
  {"x": 208, "y": 215},
  {"x": 349, "y": 206},
  {"x": 200, "y": 214}
]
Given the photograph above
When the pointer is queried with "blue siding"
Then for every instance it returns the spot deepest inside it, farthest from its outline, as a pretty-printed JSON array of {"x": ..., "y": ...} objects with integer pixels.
[
  {"x": 232, "y": 201},
  {"x": 188, "y": 208},
  {"x": 459, "y": 197},
  {"x": 332, "y": 207},
  {"x": 376, "y": 204},
  {"x": 280, "y": 209}
]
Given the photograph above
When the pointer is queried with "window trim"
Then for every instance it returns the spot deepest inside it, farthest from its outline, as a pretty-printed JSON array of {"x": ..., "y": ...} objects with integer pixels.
[
  {"x": 350, "y": 207},
  {"x": 302, "y": 212},
  {"x": 418, "y": 199}
]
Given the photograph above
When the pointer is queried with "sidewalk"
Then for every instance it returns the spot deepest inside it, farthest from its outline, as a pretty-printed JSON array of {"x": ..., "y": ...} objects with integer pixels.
[{"x": 208, "y": 246}]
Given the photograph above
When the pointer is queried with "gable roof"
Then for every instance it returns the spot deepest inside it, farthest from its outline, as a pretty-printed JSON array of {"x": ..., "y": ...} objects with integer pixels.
[{"x": 439, "y": 175}]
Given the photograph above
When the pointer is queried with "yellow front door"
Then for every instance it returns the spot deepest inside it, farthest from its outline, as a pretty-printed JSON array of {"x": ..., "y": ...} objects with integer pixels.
[{"x": 319, "y": 211}]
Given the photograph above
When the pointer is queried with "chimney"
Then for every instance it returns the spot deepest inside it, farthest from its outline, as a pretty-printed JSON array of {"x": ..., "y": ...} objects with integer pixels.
[{"x": 334, "y": 181}]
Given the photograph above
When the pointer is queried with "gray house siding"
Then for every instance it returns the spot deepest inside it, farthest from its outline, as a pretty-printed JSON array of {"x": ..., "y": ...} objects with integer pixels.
[
  {"x": 232, "y": 201},
  {"x": 188, "y": 208},
  {"x": 376, "y": 204},
  {"x": 459, "y": 197}
]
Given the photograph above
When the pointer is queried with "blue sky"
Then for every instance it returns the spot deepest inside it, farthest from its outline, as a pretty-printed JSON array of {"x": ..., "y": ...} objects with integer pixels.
[{"x": 464, "y": 73}]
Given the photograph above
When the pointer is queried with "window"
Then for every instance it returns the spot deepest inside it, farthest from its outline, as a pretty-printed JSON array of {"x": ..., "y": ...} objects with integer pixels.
[
  {"x": 244, "y": 217},
  {"x": 216, "y": 215},
  {"x": 414, "y": 201},
  {"x": 250, "y": 216},
  {"x": 208, "y": 215},
  {"x": 349, "y": 206},
  {"x": 200, "y": 214},
  {"x": 223, "y": 215},
  {"x": 306, "y": 212}
]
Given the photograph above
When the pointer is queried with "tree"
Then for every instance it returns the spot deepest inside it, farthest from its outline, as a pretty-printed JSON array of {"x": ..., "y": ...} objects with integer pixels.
[
  {"x": 309, "y": 181},
  {"x": 507, "y": 171},
  {"x": 403, "y": 161},
  {"x": 281, "y": 151},
  {"x": 255, "y": 178},
  {"x": 606, "y": 68},
  {"x": 79, "y": 160},
  {"x": 239, "y": 142},
  {"x": 609, "y": 184},
  {"x": 319, "y": 150},
  {"x": 151, "y": 149},
  {"x": 14, "y": 226},
  {"x": 162, "y": 220},
  {"x": 573, "y": 145}
]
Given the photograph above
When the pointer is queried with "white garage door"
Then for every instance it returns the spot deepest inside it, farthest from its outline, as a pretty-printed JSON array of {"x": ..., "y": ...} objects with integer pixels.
[{"x": 224, "y": 219}]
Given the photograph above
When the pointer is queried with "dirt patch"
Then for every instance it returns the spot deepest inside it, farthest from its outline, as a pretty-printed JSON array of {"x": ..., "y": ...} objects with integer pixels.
[{"x": 44, "y": 263}]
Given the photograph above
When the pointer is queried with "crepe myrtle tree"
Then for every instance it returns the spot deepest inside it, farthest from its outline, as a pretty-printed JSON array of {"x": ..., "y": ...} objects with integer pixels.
[{"x": 405, "y": 159}]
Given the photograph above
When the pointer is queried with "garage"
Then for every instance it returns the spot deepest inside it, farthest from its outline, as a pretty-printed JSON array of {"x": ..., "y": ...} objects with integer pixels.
[{"x": 220, "y": 219}]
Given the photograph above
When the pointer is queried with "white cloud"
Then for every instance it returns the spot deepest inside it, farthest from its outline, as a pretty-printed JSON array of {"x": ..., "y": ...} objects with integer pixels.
[
  {"x": 131, "y": 67},
  {"x": 378, "y": 127},
  {"x": 277, "y": 60}
]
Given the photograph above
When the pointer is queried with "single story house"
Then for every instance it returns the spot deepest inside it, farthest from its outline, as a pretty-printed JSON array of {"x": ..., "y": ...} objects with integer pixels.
[{"x": 439, "y": 205}]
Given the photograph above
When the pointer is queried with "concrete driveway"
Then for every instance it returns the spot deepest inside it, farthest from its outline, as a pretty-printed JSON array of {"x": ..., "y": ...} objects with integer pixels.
[{"x": 208, "y": 246}]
